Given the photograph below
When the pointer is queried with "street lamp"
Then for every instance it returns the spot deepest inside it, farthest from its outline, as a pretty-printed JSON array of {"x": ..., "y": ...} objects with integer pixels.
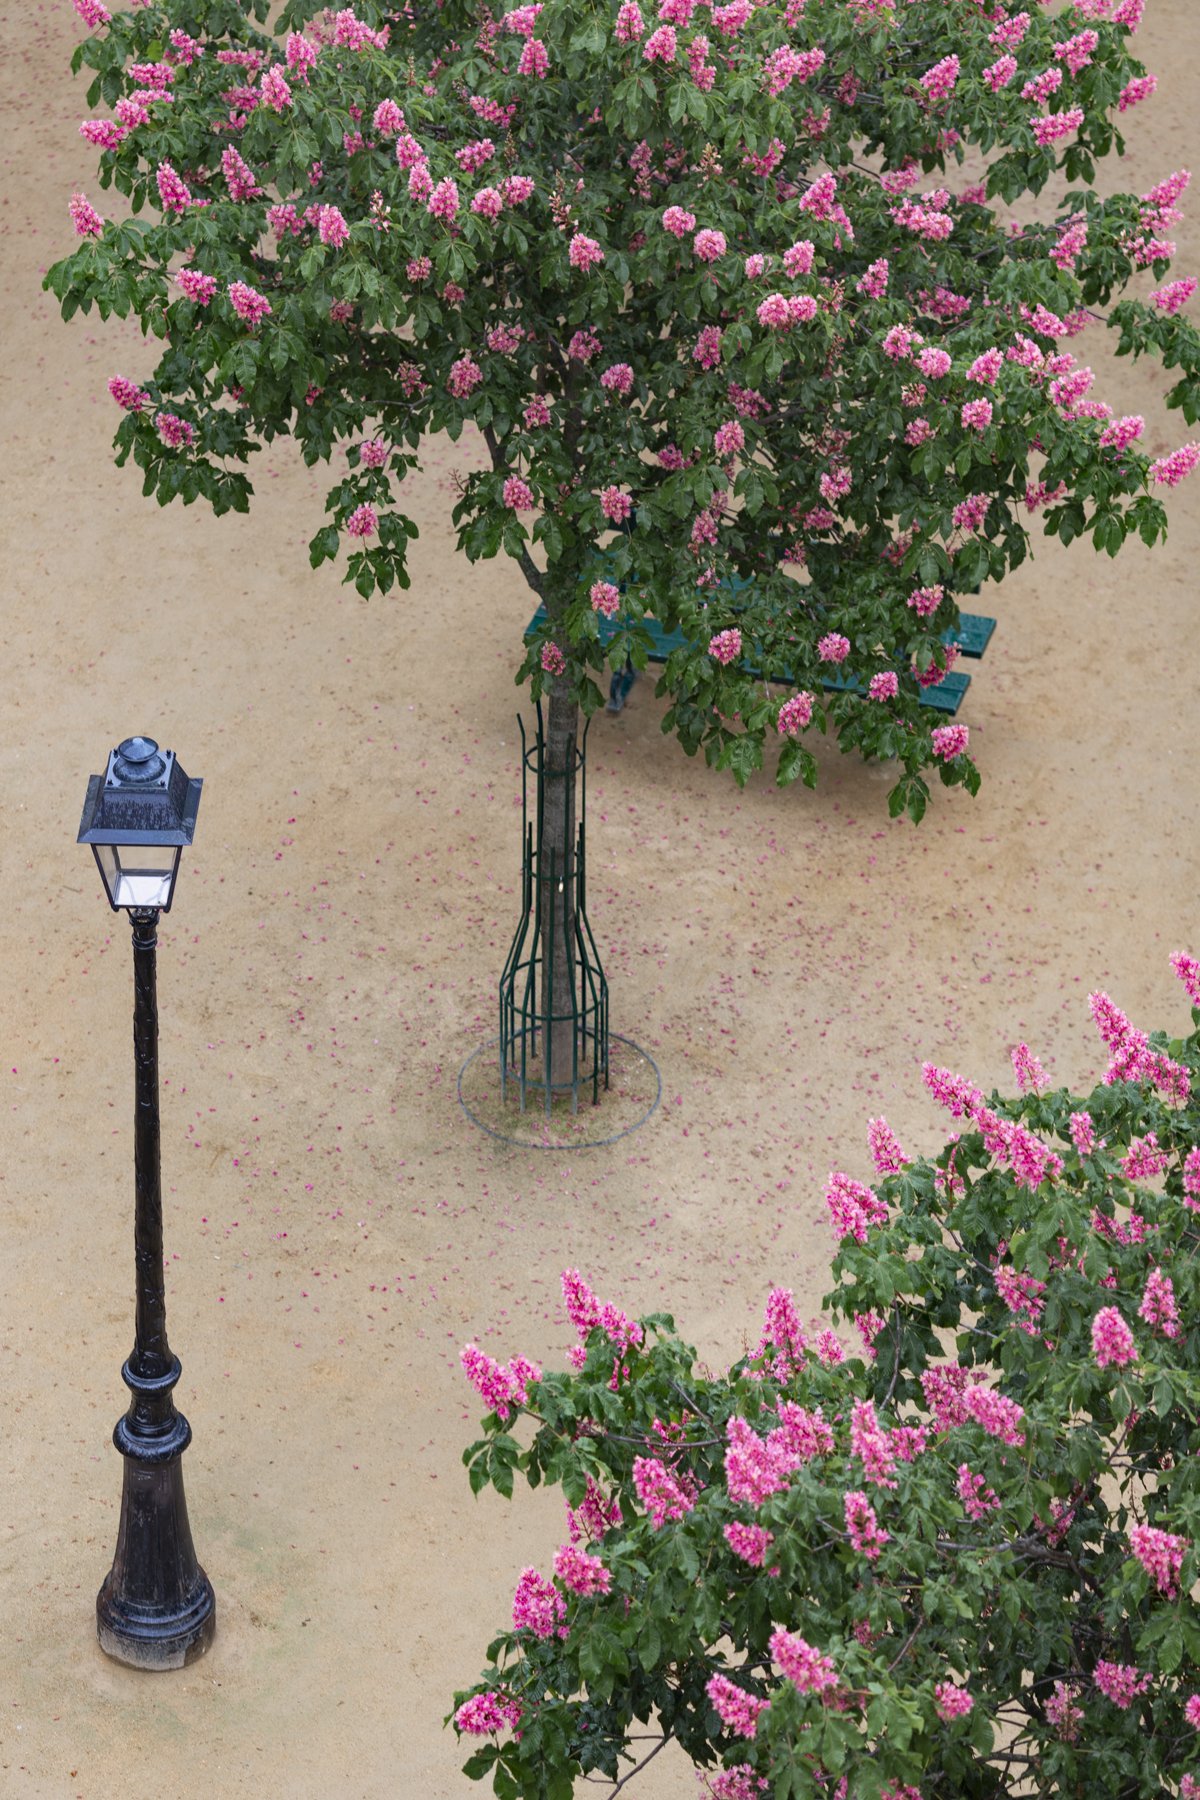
[{"x": 156, "y": 1609}]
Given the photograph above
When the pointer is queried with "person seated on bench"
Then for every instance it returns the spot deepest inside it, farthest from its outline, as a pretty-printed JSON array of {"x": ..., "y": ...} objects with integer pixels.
[{"x": 619, "y": 686}]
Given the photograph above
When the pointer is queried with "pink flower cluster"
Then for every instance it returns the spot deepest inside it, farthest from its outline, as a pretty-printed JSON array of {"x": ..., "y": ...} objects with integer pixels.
[
  {"x": 862, "y": 1526},
  {"x": 85, "y": 218},
  {"x": 874, "y": 282},
  {"x": 248, "y": 303},
  {"x": 239, "y": 177},
  {"x": 725, "y": 646},
  {"x": 553, "y": 660},
  {"x": 501, "y": 1386},
  {"x": 538, "y": 1606},
  {"x": 977, "y": 1499},
  {"x": 605, "y": 598},
  {"x": 1062, "y": 1711},
  {"x": 794, "y": 715},
  {"x": 756, "y": 1468},
  {"x": 750, "y": 1542},
  {"x": 925, "y": 601},
  {"x": 518, "y": 494},
  {"x": 372, "y": 453},
  {"x": 1049, "y": 127},
  {"x": 804, "y": 1667},
  {"x": 853, "y": 1207},
  {"x": 1169, "y": 471},
  {"x": 175, "y": 432},
  {"x": 1113, "y": 1345},
  {"x": 1122, "y": 432},
  {"x": 582, "y": 1574},
  {"x": 977, "y": 415},
  {"x": 128, "y": 394},
  {"x": 951, "y": 1701},
  {"x": 584, "y": 252},
  {"x": 1120, "y": 1682},
  {"x": 883, "y": 686},
  {"x": 483, "y": 1714},
  {"x": 660, "y": 1491},
  {"x": 939, "y": 82},
  {"x": 739, "y": 1710},
  {"x": 465, "y": 376},
  {"x": 1187, "y": 968},
  {"x": 615, "y": 505},
  {"x": 886, "y": 1151},
  {"x": 833, "y": 647},
  {"x": 950, "y": 741},
  {"x": 1161, "y": 1554},
  {"x": 999, "y": 1416}
]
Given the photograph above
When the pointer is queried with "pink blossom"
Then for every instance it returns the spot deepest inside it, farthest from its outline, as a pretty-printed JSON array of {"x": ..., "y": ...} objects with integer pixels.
[
  {"x": 934, "y": 362},
  {"x": 950, "y": 741},
  {"x": 1122, "y": 432},
  {"x": 1158, "y": 1306},
  {"x": 872, "y": 1445},
  {"x": 518, "y": 494},
  {"x": 756, "y": 1468},
  {"x": 582, "y": 1574},
  {"x": 553, "y": 660},
  {"x": 1120, "y": 1682},
  {"x": 969, "y": 514},
  {"x": 535, "y": 59},
  {"x": 1083, "y": 1134},
  {"x": 939, "y": 81},
  {"x": 659, "y": 1491},
  {"x": 886, "y": 1152},
  {"x": 953, "y": 1091},
  {"x": 128, "y": 394},
  {"x": 725, "y": 646},
  {"x": 977, "y": 1499},
  {"x": 833, "y": 647},
  {"x": 615, "y": 505},
  {"x": 239, "y": 177},
  {"x": 828, "y": 1347},
  {"x": 999, "y": 1416},
  {"x": 729, "y": 438},
  {"x": 804, "y": 1667},
  {"x": 678, "y": 222},
  {"x": 175, "y": 432},
  {"x": 1042, "y": 86},
  {"x": 986, "y": 368},
  {"x": 629, "y": 26},
  {"x": 660, "y": 46},
  {"x": 605, "y": 598},
  {"x": 538, "y": 1606},
  {"x": 174, "y": 193},
  {"x": 853, "y": 1207},
  {"x": 977, "y": 414},
  {"x": 363, "y": 521},
  {"x": 1169, "y": 471},
  {"x": 794, "y": 715},
  {"x": 1062, "y": 1712},
  {"x": 93, "y": 14},
  {"x": 1048, "y": 128},
  {"x": 372, "y": 453},
  {"x": 274, "y": 90},
  {"x": 998, "y": 74},
  {"x": 517, "y": 189},
  {"x": 617, "y": 378},
  {"x": 536, "y": 413},
  {"x": 1112, "y": 1340},
  {"x": 900, "y": 342},
  {"x": 1191, "y": 1711},
  {"x": 875, "y": 281},
  {"x": 925, "y": 601},
  {"x": 952, "y": 1702},
  {"x": 332, "y": 228},
  {"x": 884, "y": 686},
  {"x": 102, "y": 132},
  {"x": 739, "y": 1710},
  {"x": 1027, "y": 1069},
  {"x": 443, "y": 201},
  {"x": 465, "y": 376},
  {"x": 750, "y": 1542},
  {"x": 1187, "y": 968},
  {"x": 1144, "y": 1160},
  {"x": 472, "y": 157},
  {"x": 483, "y": 1714},
  {"x": 86, "y": 219},
  {"x": 709, "y": 245},
  {"x": 583, "y": 252},
  {"x": 197, "y": 287},
  {"x": 862, "y": 1527},
  {"x": 1191, "y": 1179},
  {"x": 248, "y": 303},
  {"x": 387, "y": 119},
  {"x": 1134, "y": 92}
]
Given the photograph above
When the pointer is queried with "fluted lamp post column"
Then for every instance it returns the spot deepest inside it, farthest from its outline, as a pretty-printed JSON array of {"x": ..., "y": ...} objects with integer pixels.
[{"x": 156, "y": 1609}]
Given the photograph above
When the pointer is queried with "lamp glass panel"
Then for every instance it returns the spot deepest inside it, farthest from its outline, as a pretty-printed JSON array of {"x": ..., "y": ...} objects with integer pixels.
[{"x": 138, "y": 875}]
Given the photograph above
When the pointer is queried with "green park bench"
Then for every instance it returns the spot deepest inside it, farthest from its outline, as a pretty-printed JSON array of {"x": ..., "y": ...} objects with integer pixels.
[{"x": 972, "y": 634}]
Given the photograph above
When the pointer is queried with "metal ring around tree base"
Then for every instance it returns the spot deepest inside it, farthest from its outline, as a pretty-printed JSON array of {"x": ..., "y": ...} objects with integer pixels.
[{"x": 531, "y": 1143}]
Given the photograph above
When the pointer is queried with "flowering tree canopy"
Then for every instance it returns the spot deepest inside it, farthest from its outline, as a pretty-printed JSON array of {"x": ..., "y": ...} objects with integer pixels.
[
  {"x": 962, "y": 1559},
  {"x": 700, "y": 267}
]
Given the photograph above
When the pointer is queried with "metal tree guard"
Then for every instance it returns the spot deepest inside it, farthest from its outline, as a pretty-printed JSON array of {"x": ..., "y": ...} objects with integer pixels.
[{"x": 530, "y": 1006}]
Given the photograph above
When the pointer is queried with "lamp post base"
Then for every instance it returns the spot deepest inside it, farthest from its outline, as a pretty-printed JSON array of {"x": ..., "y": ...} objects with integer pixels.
[{"x": 156, "y": 1609}]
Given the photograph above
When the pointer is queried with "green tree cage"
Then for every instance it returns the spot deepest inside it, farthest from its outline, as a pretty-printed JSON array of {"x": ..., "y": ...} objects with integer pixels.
[{"x": 553, "y": 992}]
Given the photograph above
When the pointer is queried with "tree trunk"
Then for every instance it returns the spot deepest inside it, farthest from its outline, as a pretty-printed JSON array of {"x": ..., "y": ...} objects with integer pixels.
[{"x": 556, "y": 875}]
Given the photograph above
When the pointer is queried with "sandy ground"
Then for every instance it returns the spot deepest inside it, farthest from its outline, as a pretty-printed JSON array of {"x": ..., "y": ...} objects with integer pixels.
[{"x": 336, "y": 1229}]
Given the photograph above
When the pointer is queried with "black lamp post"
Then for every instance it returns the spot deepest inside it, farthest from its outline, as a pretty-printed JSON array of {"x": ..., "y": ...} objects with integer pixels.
[{"x": 156, "y": 1609}]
